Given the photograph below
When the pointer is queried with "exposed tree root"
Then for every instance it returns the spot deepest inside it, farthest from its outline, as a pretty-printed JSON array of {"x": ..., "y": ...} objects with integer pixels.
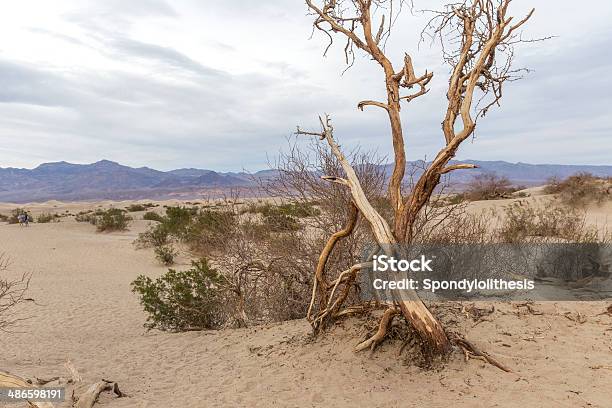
[
  {"x": 380, "y": 334},
  {"x": 470, "y": 350},
  {"x": 357, "y": 309}
]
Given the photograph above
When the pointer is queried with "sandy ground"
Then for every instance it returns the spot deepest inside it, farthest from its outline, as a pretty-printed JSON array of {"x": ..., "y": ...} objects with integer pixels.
[{"x": 86, "y": 313}]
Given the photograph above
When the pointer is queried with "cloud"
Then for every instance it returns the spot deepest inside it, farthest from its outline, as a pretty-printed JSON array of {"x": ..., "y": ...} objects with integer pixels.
[
  {"x": 132, "y": 48},
  {"x": 197, "y": 84}
]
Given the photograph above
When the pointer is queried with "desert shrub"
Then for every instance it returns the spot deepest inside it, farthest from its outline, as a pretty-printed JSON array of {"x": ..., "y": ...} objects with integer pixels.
[
  {"x": 47, "y": 217},
  {"x": 523, "y": 221},
  {"x": 85, "y": 217},
  {"x": 3, "y": 218},
  {"x": 444, "y": 200},
  {"x": 209, "y": 230},
  {"x": 488, "y": 186},
  {"x": 202, "y": 230},
  {"x": 281, "y": 222},
  {"x": 165, "y": 254},
  {"x": 182, "y": 300},
  {"x": 267, "y": 255},
  {"x": 156, "y": 236},
  {"x": 135, "y": 208},
  {"x": 580, "y": 189},
  {"x": 112, "y": 219},
  {"x": 296, "y": 209},
  {"x": 152, "y": 216},
  {"x": 455, "y": 199},
  {"x": 177, "y": 219},
  {"x": 15, "y": 213},
  {"x": 82, "y": 216},
  {"x": 459, "y": 228}
]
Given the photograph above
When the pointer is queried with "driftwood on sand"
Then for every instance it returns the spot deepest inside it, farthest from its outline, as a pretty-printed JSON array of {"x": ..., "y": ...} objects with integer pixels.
[
  {"x": 89, "y": 397},
  {"x": 8, "y": 380},
  {"x": 86, "y": 400}
]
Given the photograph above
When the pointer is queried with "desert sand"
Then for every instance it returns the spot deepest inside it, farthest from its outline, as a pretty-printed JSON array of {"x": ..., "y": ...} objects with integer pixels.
[{"x": 86, "y": 313}]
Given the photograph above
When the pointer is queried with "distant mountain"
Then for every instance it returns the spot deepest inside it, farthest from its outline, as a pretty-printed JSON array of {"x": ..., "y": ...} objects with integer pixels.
[
  {"x": 528, "y": 174},
  {"x": 518, "y": 173},
  {"x": 109, "y": 180}
]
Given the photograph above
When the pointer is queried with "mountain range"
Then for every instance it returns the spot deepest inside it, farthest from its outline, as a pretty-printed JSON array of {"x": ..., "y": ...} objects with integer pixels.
[{"x": 110, "y": 180}]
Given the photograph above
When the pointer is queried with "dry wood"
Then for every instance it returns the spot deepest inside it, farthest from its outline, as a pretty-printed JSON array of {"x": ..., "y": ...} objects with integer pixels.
[
  {"x": 320, "y": 283},
  {"x": 470, "y": 350},
  {"x": 12, "y": 381},
  {"x": 577, "y": 317},
  {"x": 43, "y": 381},
  {"x": 347, "y": 277},
  {"x": 89, "y": 397},
  {"x": 74, "y": 373},
  {"x": 380, "y": 334},
  {"x": 601, "y": 367},
  {"x": 86, "y": 400},
  {"x": 411, "y": 306}
]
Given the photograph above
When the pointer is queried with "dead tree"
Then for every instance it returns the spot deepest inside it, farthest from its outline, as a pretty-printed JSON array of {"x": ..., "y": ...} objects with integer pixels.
[{"x": 480, "y": 54}]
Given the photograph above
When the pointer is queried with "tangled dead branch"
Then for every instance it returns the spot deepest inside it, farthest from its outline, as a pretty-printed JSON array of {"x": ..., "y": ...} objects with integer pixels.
[
  {"x": 411, "y": 306},
  {"x": 12, "y": 295}
]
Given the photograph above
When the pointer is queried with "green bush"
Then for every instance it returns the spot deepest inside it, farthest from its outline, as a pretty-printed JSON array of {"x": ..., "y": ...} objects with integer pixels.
[
  {"x": 156, "y": 236},
  {"x": 281, "y": 223},
  {"x": 112, "y": 219},
  {"x": 209, "y": 231},
  {"x": 201, "y": 230},
  {"x": 85, "y": 217},
  {"x": 177, "y": 219},
  {"x": 135, "y": 208},
  {"x": 182, "y": 300},
  {"x": 47, "y": 217},
  {"x": 298, "y": 210},
  {"x": 284, "y": 217},
  {"x": 152, "y": 216},
  {"x": 165, "y": 254}
]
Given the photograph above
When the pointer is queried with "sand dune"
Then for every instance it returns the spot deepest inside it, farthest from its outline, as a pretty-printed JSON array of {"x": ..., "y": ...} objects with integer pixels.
[{"x": 87, "y": 314}]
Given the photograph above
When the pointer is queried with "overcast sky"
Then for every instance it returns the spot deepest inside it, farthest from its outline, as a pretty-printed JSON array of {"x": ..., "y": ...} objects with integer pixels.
[{"x": 221, "y": 84}]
